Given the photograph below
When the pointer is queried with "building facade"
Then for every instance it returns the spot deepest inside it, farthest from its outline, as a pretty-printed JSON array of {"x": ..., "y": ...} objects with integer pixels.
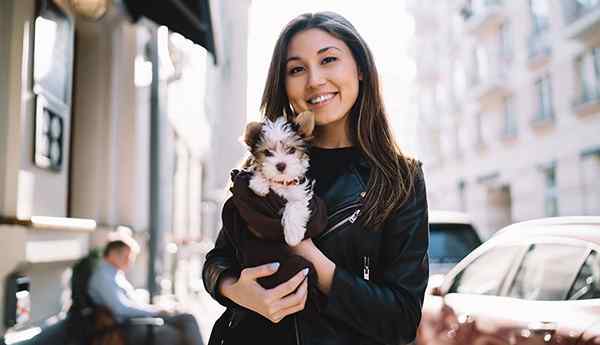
[
  {"x": 509, "y": 107},
  {"x": 76, "y": 144}
]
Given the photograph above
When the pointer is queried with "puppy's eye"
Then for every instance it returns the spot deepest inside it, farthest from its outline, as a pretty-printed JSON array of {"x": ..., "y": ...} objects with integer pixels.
[
  {"x": 268, "y": 153},
  {"x": 291, "y": 150}
]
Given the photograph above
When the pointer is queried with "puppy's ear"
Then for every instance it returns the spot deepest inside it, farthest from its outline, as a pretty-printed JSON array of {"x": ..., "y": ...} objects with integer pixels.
[
  {"x": 306, "y": 123},
  {"x": 252, "y": 133}
]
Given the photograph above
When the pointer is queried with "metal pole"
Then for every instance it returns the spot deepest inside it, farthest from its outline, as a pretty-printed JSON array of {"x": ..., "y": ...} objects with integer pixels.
[{"x": 155, "y": 140}]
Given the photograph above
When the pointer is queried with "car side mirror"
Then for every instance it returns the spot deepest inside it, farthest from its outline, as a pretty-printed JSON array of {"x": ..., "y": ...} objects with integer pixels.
[
  {"x": 436, "y": 291},
  {"x": 434, "y": 285}
]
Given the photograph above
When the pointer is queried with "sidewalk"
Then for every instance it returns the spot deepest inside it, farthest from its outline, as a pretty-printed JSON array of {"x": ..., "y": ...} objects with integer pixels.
[{"x": 205, "y": 309}]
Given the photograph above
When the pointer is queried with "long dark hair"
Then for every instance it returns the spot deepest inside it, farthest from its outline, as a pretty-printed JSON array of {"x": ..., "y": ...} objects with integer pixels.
[{"x": 392, "y": 174}]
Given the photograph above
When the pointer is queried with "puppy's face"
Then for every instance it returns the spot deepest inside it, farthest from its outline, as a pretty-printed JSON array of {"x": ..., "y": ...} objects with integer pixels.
[{"x": 278, "y": 148}]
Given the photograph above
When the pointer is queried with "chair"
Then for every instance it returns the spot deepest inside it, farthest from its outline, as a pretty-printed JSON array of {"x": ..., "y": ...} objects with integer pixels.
[{"x": 91, "y": 324}]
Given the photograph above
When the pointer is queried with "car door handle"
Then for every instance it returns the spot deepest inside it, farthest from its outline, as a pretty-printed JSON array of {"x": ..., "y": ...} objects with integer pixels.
[{"x": 542, "y": 327}]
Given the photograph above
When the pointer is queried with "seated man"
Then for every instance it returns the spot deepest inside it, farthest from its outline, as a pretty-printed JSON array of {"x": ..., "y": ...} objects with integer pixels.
[{"x": 109, "y": 287}]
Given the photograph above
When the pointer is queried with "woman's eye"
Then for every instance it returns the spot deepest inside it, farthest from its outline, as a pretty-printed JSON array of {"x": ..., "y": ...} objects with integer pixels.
[
  {"x": 329, "y": 59},
  {"x": 295, "y": 70},
  {"x": 268, "y": 153},
  {"x": 291, "y": 150}
]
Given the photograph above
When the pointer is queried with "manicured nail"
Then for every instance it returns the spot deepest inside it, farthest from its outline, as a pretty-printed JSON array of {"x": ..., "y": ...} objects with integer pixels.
[
  {"x": 305, "y": 271},
  {"x": 275, "y": 266}
]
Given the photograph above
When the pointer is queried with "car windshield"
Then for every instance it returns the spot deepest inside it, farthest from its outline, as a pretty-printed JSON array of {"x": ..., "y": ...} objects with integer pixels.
[{"x": 450, "y": 243}]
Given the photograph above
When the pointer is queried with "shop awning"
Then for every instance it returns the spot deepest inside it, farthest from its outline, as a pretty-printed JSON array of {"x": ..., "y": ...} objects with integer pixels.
[{"x": 190, "y": 18}]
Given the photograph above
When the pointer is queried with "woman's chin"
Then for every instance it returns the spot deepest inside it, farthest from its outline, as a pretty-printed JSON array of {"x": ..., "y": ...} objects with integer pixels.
[{"x": 328, "y": 120}]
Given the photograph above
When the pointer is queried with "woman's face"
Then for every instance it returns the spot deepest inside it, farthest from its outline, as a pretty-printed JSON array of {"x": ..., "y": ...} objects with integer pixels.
[{"x": 321, "y": 75}]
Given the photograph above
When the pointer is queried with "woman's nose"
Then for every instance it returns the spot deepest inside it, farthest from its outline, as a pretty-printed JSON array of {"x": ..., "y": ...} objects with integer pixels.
[{"x": 316, "y": 77}]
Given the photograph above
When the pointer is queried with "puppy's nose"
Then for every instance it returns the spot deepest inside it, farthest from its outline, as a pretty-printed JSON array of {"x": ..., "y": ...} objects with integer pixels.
[{"x": 280, "y": 167}]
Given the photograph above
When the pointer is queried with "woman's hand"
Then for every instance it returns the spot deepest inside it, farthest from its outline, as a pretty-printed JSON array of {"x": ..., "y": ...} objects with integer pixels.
[
  {"x": 325, "y": 268},
  {"x": 274, "y": 304}
]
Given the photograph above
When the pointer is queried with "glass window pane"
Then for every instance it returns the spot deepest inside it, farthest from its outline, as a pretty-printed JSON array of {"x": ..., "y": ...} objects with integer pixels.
[
  {"x": 485, "y": 274},
  {"x": 587, "y": 283},
  {"x": 52, "y": 52},
  {"x": 547, "y": 272},
  {"x": 451, "y": 242}
]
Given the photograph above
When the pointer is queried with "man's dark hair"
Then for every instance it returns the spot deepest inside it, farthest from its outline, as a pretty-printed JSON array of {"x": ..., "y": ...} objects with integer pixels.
[{"x": 117, "y": 245}]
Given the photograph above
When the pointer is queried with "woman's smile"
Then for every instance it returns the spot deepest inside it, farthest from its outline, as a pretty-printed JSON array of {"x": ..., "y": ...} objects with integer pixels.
[{"x": 320, "y": 101}]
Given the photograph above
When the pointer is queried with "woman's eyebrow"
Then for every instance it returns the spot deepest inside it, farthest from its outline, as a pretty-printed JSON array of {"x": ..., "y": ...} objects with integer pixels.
[{"x": 320, "y": 51}]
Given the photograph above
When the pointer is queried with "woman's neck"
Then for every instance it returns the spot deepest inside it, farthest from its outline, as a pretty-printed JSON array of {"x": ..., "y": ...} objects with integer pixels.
[{"x": 332, "y": 136}]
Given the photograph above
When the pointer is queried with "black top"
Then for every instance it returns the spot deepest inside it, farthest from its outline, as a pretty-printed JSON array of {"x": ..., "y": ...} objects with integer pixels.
[{"x": 325, "y": 165}]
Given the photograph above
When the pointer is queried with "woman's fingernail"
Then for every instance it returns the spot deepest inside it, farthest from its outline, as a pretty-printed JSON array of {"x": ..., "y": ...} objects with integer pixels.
[
  {"x": 275, "y": 266},
  {"x": 305, "y": 271}
]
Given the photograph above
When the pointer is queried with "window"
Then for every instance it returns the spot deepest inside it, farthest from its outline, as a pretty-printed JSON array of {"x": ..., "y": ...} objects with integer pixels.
[
  {"x": 587, "y": 67},
  {"x": 483, "y": 67},
  {"x": 459, "y": 81},
  {"x": 547, "y": 272},
  {"x": 52, "y": 78},
  {"x": 450, "y": 243},
  {"x": 484, "y": 276},
  {"x": 462, "y": 195},
  {"x": 587, "y": 4},
  {"x": 510, "y": 118},
  {"x": 596, "y": 58},
  {"x": 587, "y": 283},
  {"x": 551, "y": 193},
  {"x": 504, "y": 42},
  {"x": 590, "y": 177},
  {"x": 544, "y": 92},
  {"x": 473, "y": 71},
  {"x": 479, "y": 139},
  {"x": 539, "y": 15},
  {"x": 575, "y": 9}
]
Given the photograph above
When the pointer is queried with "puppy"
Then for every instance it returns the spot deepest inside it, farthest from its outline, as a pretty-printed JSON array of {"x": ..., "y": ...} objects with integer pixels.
[{"x": 279, "y": 162}]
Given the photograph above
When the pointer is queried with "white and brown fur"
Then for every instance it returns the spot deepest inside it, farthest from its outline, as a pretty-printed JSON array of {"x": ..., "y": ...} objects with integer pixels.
[{"x": 279, "y": 156}]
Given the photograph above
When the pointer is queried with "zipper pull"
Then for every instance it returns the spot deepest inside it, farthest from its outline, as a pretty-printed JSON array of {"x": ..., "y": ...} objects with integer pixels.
[
  {"x": 354, "y": 216},
  {"x": 366, "y": 268},
  {"x": 362, "y": 195}
]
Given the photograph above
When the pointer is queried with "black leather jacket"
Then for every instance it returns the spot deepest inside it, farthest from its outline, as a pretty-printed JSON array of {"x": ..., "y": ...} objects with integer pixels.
[{"x": 380, "y": 277}]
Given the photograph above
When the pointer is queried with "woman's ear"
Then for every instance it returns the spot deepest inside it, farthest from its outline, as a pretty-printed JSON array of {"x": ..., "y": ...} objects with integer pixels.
[
  {"x": 306, "y": 123},
  {"x": 252, "y": 133}
]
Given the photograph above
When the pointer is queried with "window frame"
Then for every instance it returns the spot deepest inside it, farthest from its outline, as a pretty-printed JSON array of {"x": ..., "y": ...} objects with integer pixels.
[
  {"x": 551, "y": 192},
  {"x": 51, "y": 104},
  {"x": 544, "y": 99},
  {"x": 509, "y": 117},
  {"x": 474, "y": 256},
  {"x": 589, "y": 252},
  {"x": 543, "y": 242}
]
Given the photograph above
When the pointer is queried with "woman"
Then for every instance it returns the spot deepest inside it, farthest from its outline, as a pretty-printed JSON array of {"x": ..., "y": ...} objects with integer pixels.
[{"x": 371, "y": 262}]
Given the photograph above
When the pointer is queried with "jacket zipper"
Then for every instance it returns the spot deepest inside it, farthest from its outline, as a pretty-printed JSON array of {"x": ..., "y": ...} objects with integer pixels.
[
  {"x": 351, "y": 219},
  {"x": 366, "y": 267},
  {"x": 339, "y": 211}
]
